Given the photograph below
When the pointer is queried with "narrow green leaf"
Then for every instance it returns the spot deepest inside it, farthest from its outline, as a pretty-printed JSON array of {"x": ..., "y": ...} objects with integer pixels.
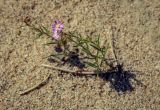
[
  {"x": 91, "y": 64},
  {"x": 49, "y": 43},
  {"x": 98, "y": 40},
  {"x": 94, "y": 46},
  {"x": 39, "y": 35},
  {"x": 45, "y": 29},
  {"x": 86, "y": 51}
]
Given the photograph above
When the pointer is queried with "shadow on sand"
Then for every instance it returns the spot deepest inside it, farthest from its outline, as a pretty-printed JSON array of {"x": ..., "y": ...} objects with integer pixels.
[{"x": 119, "y": 79}]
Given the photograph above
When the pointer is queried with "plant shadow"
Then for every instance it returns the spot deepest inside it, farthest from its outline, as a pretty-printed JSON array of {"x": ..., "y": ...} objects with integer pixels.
[
  {"x": 120, "y": 80},
  {"x": 72, "y": 59}
]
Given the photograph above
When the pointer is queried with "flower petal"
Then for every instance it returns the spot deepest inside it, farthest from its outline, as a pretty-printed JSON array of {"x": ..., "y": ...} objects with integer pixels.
[{"x": 57, "y": 28}]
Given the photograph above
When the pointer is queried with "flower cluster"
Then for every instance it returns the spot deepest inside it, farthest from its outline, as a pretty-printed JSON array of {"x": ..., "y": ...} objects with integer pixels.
[{"x": 57, "y": 28}]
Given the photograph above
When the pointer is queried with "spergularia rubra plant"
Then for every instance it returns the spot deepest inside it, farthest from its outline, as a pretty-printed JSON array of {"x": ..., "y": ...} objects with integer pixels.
[{"x": 57, "y": 28}]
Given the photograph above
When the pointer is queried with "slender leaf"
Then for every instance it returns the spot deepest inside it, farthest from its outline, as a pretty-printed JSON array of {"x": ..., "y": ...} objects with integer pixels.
[
  {"x": 98, "y": 40},
  {"x": 45, "y": 29},
  {"x": 49, "y": 43},
  {"x": 39, "y": 35},
  {"x": 94, "y": 46},
  {"x": 91, "y": 64},
  {"x": 86, "y": 51}
]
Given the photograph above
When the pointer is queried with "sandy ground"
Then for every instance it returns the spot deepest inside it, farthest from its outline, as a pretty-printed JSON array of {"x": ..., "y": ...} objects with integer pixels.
[{"x": 137, "y": 37}]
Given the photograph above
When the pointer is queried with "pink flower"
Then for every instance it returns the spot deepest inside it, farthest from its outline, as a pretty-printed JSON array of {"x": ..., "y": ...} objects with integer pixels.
[{"x": 57, "y": 28}]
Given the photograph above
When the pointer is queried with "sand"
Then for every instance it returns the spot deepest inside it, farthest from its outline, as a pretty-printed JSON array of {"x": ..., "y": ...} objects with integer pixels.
[{"x": 136, "y": 28}]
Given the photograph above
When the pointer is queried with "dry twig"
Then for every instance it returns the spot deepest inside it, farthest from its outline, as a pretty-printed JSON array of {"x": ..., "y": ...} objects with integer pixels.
[
  {"x": 69, "y": 71},
  {"x": 111, "y": 40},
  {"x": 55, "y": 68},
  {"x": 42, "y": 83}
]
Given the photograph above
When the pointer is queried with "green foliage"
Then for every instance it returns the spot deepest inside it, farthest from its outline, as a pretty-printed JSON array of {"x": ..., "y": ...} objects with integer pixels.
[
  {"x": 41, "y": 31},
  {"x": 89, "y": 46}
]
